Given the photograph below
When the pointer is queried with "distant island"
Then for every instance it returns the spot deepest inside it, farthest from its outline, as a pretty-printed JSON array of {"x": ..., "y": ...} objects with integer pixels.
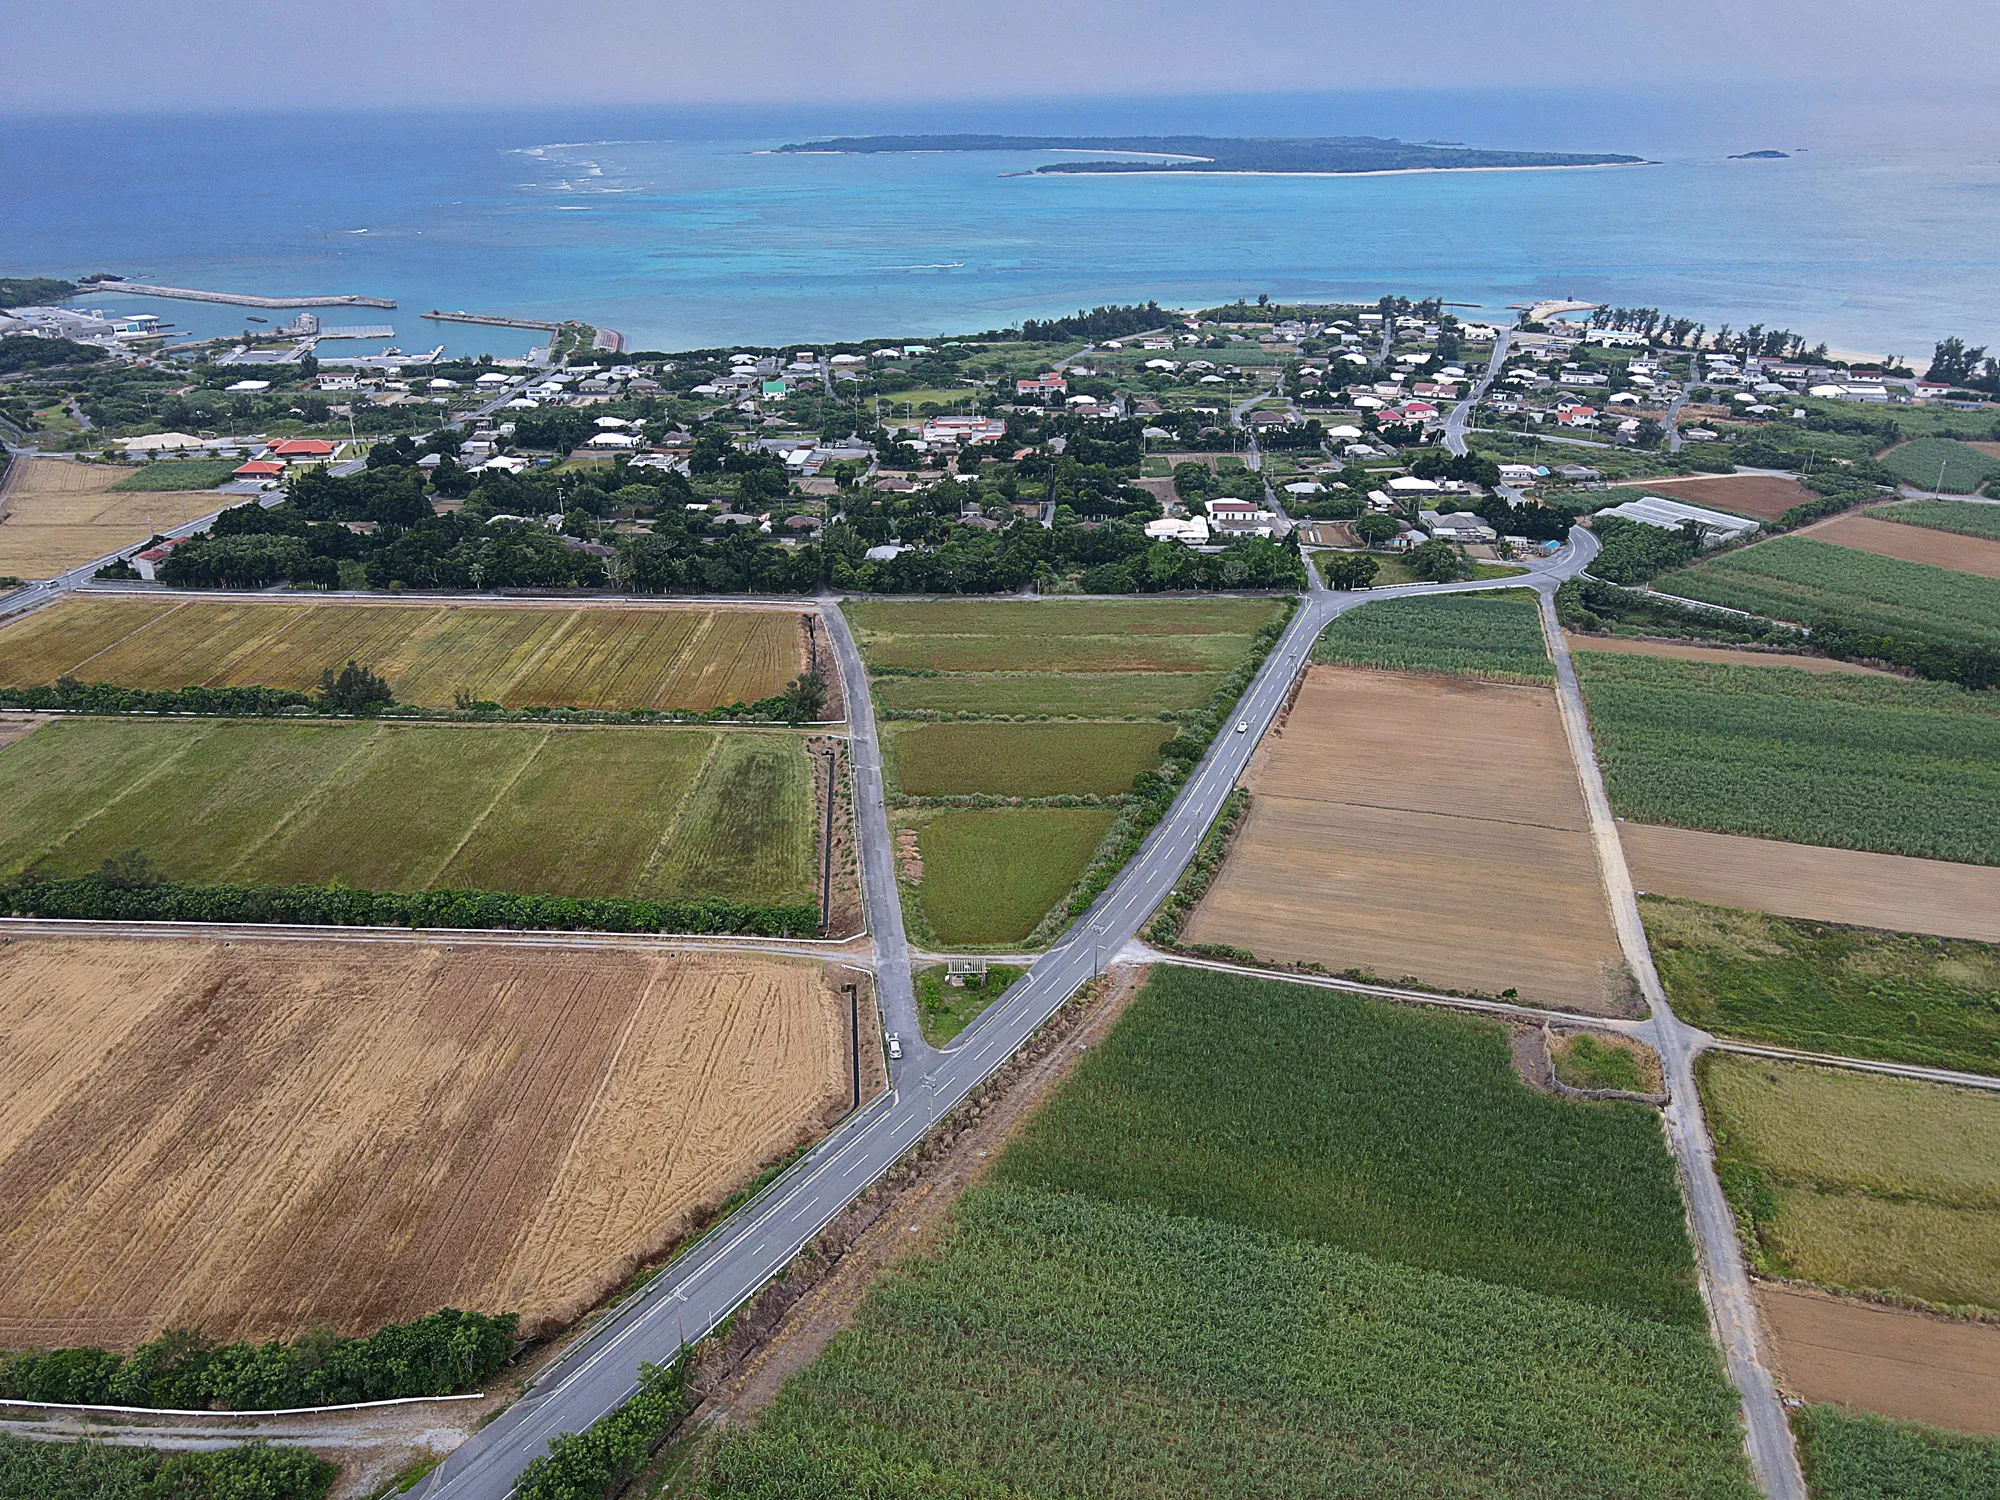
[
  {"x": 1762, "y": 156},
  {"x": 1298, "y": 155}
]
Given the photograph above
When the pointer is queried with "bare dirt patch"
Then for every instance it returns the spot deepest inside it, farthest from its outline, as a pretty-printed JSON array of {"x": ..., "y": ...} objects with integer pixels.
[
  {"x": 1918, "y": 544},
  {"x": 1725, "y": 655},
  {"x": 1881, "y": 1359},
  {"x": 1761, "y": 497},
  {"x": 1892, "y": 892},
  {"x": 58, "y": 515},
  {"x": 258, "y": 1138},
  {"x": 1991, "y": 450},
  {"x": 1422, "y": 827},
  {"x": 19, "y": 726}
]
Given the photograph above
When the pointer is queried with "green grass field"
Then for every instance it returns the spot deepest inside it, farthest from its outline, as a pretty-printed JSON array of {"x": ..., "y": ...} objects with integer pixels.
[
  {"x": 612, "y": 812},
  {"x": 178, "y": 474},
  {"x": 1852, "y": 1456},
  {"x": 1822, "y": 988},
  {"x": 944, "y": 1010},
  {"x": 517, "y": 656},
  {"x": 1099, "y": 695},
  {"x": 1058, "y": 635},
  {"x": 1844, "y": 760},
  {"x": 1480, "y": 635},
  {"x": 1799, "y": 579},
  {"x": 1023, "y": 760},
  {"x": 1920, "y": 461},
  {"x": 1154, "y": 1295},
  {"x": 991, "y": 874},
  {"x": 1869, "y": 1184},
  {"x": 1961, "y": 516}
]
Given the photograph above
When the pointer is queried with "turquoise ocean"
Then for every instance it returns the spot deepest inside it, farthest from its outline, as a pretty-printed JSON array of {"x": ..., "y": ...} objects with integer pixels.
[{"x": 681, "y": 230}]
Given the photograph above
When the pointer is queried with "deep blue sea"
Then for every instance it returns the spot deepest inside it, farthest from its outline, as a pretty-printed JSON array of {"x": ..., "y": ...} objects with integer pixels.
[{"x": 676, "y": 228}]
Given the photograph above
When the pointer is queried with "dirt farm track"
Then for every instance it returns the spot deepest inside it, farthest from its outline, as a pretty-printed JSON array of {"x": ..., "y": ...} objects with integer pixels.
[
  {"x": 1422, "y": 827},
  {"x": 257, "y": 1140}
]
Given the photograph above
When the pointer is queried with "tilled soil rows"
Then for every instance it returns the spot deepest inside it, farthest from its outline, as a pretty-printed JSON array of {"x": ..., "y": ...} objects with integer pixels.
[{"x": 256, "y": 1138}]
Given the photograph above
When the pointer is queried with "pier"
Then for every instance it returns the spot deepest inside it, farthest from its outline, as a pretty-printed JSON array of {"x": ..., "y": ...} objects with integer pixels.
[
  {"x": 232, "y": 299},
  {"x": 492, "y": 321}
]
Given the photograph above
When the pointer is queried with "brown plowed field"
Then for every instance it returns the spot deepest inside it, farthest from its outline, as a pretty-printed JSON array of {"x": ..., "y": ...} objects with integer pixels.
[
  {"x": 262, "y": 1138},
  {"x": 1919, "y": 544},
  {"x": 1892, "y": 892},
  {"x": 1762, "y": 497},
  {"x": 1423, "y": 827},
  {"x": 562, "y": 655},
  {"x": 58, "y": 515},
  {"x": 1898, "y": 1364},
  {"x": 1684, "y": 651}
]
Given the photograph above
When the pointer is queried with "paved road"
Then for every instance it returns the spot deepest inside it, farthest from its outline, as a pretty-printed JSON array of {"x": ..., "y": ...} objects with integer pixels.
[
  {"x": 1725, "y": 1283},
  {"x": 1673, "y": 422},
  {"x": 708, "y": 1282},
  {"x": 1460, "y": 416}
]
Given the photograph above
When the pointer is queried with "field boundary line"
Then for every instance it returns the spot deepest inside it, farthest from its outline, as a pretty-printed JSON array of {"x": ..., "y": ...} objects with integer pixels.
[
  {"x": 680, "y": 811},
  {"x": 312, "y": 798},
  {"x": 537, "y": 656},
  {"x": 671, "y": 675},
  {"x": 502, "y": 937},
  {"x": 140, "y": 629},
  {"x": 1917, "y": 1072},
  {"x": 275, "y": 1411},
  {"x": 492, "y": 802},
  {"x": 1430, "y": 812}
]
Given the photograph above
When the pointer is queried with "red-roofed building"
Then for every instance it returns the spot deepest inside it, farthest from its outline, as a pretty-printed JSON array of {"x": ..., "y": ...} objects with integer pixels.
[
  {"x": 1042, "y": 385},
  {"x": 1578, "y": 416},
  {"x": 300, "y": 451},
  {"x": 259, "y": 468},
  {"x": 147, "y": 564}
]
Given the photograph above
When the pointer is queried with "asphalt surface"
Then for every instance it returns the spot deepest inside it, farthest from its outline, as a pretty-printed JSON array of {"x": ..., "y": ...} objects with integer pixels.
[
  {"x": 1460, "y": 416},
  {"x": 709, "y": 1281}
]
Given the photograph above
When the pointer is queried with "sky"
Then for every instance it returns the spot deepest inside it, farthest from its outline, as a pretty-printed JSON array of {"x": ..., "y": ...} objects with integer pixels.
[{"x": 136, "y": 56}]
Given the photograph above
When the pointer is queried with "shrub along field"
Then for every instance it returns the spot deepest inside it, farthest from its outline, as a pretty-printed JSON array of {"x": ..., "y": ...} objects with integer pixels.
[
  {"x": 1960, "y": 516},
  {"x": 1861, "y": 1183},
  {"x": 1496, "y": 635},
  {"x": 658, "y": 657},
  {"x": 1822, "y": 988},
  {"x": 578, "y": 812},
  {"x": 1852, "y": 1456},
  {"x": 1801, "y": 580},
  {"x": 1181, "y": 1305},
  {"x": 1850, "y": 761},
  {"x": 99, "y": 1471},
  {"x": 1919, "y": 463}
]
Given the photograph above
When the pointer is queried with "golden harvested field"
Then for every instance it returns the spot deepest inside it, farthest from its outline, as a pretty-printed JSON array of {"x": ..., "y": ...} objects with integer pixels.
[
  {"x": 1892, "y": 892},
  {"x": 1880, "y": 1359},
  {"x": 557, "y": 655},
  {"x": 1422, "y": 827},
  {"x": 259, "y": 1139},
  {"x": 1686, "y": 651},
  {"x": 1918, "y": 544},
  {"x": 58, "y": 515}
]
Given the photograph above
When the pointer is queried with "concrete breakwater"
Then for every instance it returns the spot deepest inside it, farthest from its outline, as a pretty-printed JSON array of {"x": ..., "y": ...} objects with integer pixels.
[{"x": 233, "y": 299}]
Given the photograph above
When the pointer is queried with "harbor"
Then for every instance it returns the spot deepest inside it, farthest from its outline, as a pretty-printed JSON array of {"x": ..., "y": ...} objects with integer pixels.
[{"x": 232, "y": 299}]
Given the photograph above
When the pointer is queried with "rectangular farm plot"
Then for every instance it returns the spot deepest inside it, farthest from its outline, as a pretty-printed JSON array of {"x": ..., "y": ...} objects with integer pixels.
[
  {"x": 1059, "y": 635},
  {"x": 1962, "y": 517},
  {"x": 1872, "y": 1184},
  {"x": 1886, "y": 1360},
  {"x": 1497, "y": 635},
  {"x": 261, "y": 1139},
  {"x": 1871, "y": 763},
  {"x": 1916, "y": 544},
  {"x": 991, "y": 874},
  {"x": 575, "y": 812},
  {"x": 62, "y": 514},
  {"x": 1091, "y": 695},
  {"x": 1023, "y": 760},
  {"x": 1422, "y": 827},
  {"x": 610, "y": 657}
]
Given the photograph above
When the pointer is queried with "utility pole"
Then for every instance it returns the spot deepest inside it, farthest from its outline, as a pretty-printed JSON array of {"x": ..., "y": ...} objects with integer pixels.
[{"x": 854, "y": 1027}]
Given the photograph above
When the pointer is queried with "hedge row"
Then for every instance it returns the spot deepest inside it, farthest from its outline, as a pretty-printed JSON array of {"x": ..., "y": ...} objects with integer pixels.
[
  {"x": 602, "y": 1459},
  {"x": 92, "y": 897},
  {"x": 439, "y": 1355},
  {"x": 1193, "y": 884},
  {"x": 96, "y": 1470}
]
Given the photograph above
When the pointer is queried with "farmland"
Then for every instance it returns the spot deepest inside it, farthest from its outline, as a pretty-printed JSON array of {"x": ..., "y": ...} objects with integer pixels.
[
  {"x": 1023, "y": 760},
  {"x": 1801, "y": 580},
  {"x": 1916, "y": 544},
  {"x": 1822, "y": 988},
  {"x": 1761, "y": 497},
  {"x": 1960, "y": 516},
  {"x": 1366, "y": 847},
  {"x": 1920, "y": 462},
  {"x": 1722, "y": 655},
  {"x": 1852, "y": 1457},
  {"x": 1893, "y": 1361},
  {"x": 1890, "y": 892},
  {"x": 629, "y": 656},
  {"x": 1130, "y": 1308},
  {"x": 1855, "y": 762},
  {"x": 166, "y": 475},
  {"x": 1496, "y": 635},
  {"x": 1859, "y": 1182},
  {"x": 258, "y": 1139},
  {"x": 59, "y": 515},
  {"x": 989, "y": 875},
  {"x": 576, "y": 812},
  {"x": 1034, "y": 701}
]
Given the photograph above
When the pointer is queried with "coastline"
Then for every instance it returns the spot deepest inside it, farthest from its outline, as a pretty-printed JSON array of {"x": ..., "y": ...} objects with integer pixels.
[{"x": 1569, "y": 166}]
